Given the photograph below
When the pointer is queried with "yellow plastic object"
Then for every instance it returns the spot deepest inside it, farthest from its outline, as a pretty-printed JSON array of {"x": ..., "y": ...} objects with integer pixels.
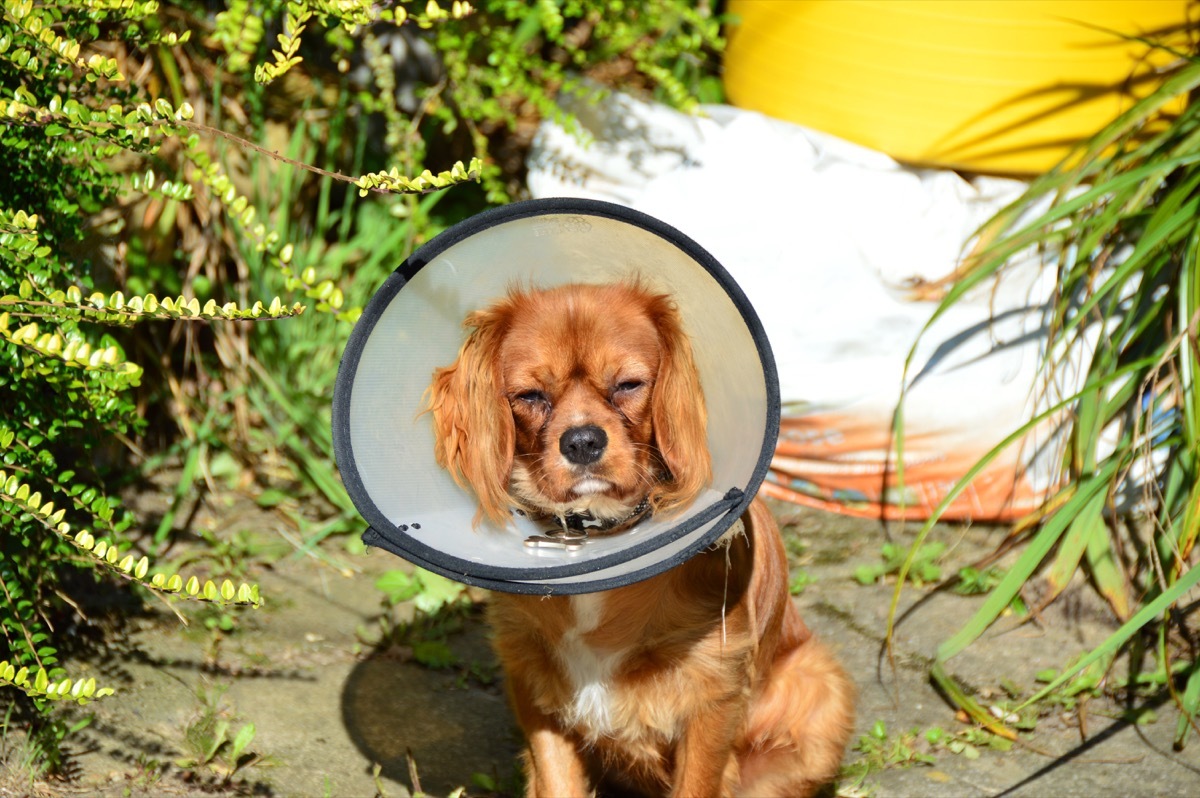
[{"x": 977, "y": 85}]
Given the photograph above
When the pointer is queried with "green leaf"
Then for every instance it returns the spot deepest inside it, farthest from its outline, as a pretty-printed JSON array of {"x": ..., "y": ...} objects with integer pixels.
[
  {"x": 241, "y": 742},
  {"x": 216, "y": 740},
  {"x": 436, "y": 592},
  {"x": 397, "y": 585},
  {"x": 1089, "y": 523},
  {"x": 434, "y": 654},
  {"x": 868, "y": 574},
  {"x": 1110, "y": 579}
]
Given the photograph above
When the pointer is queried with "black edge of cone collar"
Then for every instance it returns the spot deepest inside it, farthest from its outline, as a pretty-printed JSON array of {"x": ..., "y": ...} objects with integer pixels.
[{"x": 384, "y": 533}]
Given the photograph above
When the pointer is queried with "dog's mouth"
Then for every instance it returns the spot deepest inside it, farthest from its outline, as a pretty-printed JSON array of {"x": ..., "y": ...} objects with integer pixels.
[
  {"x": 585, "y": 493},
  {"x": 590, "y": 486}
]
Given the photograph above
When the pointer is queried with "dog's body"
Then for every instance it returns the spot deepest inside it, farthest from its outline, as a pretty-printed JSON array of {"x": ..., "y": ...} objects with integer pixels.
[{"x": 700, "y": 681}]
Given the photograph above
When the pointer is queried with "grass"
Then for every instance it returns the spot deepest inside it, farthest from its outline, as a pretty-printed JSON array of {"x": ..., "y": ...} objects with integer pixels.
[
  {"x": 23, "y": 767},
  {"x": 1119, "y": 221}
]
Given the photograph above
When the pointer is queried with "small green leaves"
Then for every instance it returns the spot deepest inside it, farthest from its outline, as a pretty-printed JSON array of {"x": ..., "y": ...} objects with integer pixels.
[
  {"x": 40, "y": 25},
  {"x": 297, "y": 16},
  {"x": 80, "y": 691},
  {"x": 923, "y": 570},
  {"x": 424, "y": 183},
  {"x": 227, "y": 593},
  {"x": 329, "y": 297},
  {"x": 238, "y": 208},
  {"x": 239, "y": 31},
  {"x": 434, "y": 13},
  {"x": 19, "y": 236},
  {"x": 68, "y": 347},
  {"x": 17, "y": 492},
  {"x": 353, "y": 14},
  {"x": 170, "y": 189},
  {"x": 113, "y": 308},
  {"x": 428, "y": 591}
]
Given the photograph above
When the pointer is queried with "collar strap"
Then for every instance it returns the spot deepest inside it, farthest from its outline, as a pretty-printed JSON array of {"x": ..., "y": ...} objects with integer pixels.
[{"x": 587, "y": 523}]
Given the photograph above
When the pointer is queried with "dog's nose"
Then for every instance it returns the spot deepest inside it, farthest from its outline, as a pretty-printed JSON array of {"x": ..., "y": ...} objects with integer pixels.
[{"x": 583, "y": 445}]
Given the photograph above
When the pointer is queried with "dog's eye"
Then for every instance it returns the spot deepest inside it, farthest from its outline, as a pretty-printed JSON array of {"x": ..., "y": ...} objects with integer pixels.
[
  {"x": 533, "y": 397},
  {"x": 627, "y": 386}
]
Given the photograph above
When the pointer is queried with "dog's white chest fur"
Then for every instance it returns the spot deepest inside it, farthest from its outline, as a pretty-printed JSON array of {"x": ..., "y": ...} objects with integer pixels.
[{"x": 589, "y": 669}]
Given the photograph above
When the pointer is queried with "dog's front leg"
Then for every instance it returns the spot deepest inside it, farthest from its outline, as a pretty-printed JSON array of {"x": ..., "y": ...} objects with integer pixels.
[
  {"x": 553, "y": 766},
  {"x": 704, "y": 763}
]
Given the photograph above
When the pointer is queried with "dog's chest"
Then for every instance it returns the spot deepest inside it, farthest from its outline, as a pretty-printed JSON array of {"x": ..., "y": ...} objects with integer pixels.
[
  {"x": 621, "y": 679},
  {"x": 590, "y": 671}
]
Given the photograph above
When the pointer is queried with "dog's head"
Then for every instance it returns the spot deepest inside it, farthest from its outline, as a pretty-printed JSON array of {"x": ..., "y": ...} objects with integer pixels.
[{"x": 572, "y": 399}]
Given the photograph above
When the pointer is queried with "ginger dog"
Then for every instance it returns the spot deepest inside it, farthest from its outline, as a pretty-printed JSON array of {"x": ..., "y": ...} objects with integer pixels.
[{"x": 700, "y": 681}]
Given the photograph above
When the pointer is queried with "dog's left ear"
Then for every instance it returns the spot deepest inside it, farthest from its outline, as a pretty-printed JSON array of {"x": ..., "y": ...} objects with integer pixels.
[
  {"x": 679, "y": 415},
  {"x": 473, "y": 426}
]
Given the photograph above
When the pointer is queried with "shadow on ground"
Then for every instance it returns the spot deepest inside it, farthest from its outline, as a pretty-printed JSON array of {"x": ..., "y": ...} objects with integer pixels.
[{"x": 395, "y": 710}]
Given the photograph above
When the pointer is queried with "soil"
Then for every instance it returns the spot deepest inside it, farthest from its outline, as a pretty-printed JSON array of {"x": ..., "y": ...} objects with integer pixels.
[{"x": 342, "y": 708}]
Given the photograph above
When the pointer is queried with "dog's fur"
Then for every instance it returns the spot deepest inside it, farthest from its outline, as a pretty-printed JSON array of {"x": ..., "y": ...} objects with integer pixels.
[{"x": 700, "y": 681}]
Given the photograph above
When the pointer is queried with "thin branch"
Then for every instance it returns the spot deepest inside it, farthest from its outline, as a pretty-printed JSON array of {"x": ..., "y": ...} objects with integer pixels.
[{"x": 31, "y": 121}]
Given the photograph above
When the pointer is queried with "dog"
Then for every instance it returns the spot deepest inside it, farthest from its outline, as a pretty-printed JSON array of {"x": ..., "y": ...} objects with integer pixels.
[{"x": 700, "y": 681}]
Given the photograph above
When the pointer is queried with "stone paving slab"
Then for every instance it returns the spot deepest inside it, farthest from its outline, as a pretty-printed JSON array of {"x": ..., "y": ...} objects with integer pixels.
[{"x": 327, "y": 708}]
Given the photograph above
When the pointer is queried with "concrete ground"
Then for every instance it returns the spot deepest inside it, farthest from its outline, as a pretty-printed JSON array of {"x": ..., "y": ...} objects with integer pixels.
[{"x": 336, "y": 715}]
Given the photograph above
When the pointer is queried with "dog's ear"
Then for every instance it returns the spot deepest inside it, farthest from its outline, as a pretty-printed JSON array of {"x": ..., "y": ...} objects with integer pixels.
[
  {"x": 472, "y": 422},
  {"x": 679, "y": 415}
]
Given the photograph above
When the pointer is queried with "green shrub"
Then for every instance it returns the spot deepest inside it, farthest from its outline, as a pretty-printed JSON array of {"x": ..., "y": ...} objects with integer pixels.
[
  {"x": 162, "y": 193},
  {"x": 84, "y": 148}
]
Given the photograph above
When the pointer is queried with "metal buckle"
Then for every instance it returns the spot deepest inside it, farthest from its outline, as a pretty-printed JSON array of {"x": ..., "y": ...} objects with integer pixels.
[{"x": 565, "y": 539}]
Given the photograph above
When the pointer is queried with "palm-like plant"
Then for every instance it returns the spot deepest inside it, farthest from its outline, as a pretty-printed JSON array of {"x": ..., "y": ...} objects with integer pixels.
[{"x": 1121, "y": 218}]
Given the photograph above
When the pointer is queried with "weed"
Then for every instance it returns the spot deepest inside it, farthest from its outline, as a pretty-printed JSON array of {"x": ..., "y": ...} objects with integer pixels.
[
  {"x": 1019, "y": 710},
  {"x": 795, "y": 547},
  {"x": 210, "y": 741},
  {"x": 880, "y": 751},
  {"x": 484, "y": 674},
  {"x": 146, "y": 775},
  {"x": 22, "y": 763},
  {"x": 1093, "y": 681},
  {"x": 923, "y": 570},
  {"x": 972, "y": 581},
  {"x": 1087, "y": 684},
  {"x": 965, "y": 743},
  {"x": 436, "y": 609},
  {"x": 428, "y": 592},
  {"x": 232, "y": 556},
  {"x": 494, "y": 784},
  {"x": 799, "y": 581}
]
